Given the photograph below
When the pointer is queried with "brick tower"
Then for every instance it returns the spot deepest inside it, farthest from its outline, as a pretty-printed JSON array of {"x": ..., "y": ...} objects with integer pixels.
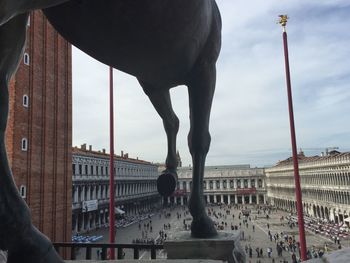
[{"x": 39, "y": 133}]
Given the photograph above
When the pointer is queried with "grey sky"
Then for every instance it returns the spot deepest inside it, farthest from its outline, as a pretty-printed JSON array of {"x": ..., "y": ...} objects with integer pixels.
[{"x": 249, "y": 120}]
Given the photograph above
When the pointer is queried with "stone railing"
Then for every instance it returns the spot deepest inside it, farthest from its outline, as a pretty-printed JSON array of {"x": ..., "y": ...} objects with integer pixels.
[{"x": 104, "y": 248}]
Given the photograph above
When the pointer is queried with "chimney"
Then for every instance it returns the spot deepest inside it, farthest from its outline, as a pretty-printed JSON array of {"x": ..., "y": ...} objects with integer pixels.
[
  {"x": 126, "y": 156},
  {"x": 122, "y": 154},
  {"x": 104, "y": 151},
  {"x": 83, "y": 147},
  {"x": 90, "y": 148}
]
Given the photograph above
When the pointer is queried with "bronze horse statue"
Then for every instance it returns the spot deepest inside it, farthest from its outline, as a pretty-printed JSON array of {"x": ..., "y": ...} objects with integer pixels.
[{"x": 163, "y": 43}]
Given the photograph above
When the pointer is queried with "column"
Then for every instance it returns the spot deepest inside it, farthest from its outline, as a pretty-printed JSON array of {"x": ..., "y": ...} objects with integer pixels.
[
  {"x": 243, "y": 201},
  {"x": 76, "y": 194},
  {"x": 82, "y": 195},
  {"x": 257, "y": 198},
  {"x": 234, "y": 183},
  {"x": 222, "y": 199},
  {"x": 221, "y": 184},
  {"x": 236, "y": 199},
  {"x": 264, "y": 199},
  {"x": 215, "y": 199},
  {"x": 250, "y": 199},
  {"x": 249, "y": 184},
  {"x": 182, "y": 200},
  {"x": 168, "y": 199},
  {"x": 228, "y": 199},
  {"x": 208, "y": 198}
]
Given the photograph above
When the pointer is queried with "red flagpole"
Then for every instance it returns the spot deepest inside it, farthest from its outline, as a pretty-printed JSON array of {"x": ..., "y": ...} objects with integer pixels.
[
  {"x": 299, "y": 203},
  {"x": 111, "y": 166}
]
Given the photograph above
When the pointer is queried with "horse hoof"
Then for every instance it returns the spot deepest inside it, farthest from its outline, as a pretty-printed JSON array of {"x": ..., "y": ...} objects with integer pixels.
[
  {"x": 166, "y": 183},
  {"x": 203, "y": 227}
]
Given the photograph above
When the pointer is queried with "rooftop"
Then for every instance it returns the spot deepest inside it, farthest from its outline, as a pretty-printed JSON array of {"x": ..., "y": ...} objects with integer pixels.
[{"x": 89, "y": 152}]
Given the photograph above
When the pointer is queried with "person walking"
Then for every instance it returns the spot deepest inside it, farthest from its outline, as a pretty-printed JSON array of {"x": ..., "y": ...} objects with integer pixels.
[{"x": 269, "y": 250}]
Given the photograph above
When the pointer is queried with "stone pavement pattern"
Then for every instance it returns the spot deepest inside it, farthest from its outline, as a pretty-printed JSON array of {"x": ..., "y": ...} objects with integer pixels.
[{"x": 257, "y": 238}]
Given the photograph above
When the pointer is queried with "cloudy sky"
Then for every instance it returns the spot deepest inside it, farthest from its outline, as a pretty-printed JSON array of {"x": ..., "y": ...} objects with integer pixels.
[{"x": 249, "y": 120}]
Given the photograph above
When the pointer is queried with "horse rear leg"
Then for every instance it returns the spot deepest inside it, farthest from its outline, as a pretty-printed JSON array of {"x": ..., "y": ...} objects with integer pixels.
[
  {"x": 201, "y": 86},
  {"x": 14, "y": 213},
  {"x": 12, "y": 8},
  {"x": 17, "y": 234},
  {"x": 161, "y": 101}
]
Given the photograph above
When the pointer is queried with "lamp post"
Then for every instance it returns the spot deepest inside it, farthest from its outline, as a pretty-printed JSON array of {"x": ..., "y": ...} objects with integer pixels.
[
  {"x": 111, "y": 166},
  {"x": 283, "y": 22}
]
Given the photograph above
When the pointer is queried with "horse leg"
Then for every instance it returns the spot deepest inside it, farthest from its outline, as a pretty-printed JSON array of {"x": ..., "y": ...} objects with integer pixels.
[
  {"x": 17, "y": 234},
  {"x": 161, "y": 101},
  {"x": 11, "y": 8},
  {"x": 13, "y": 210},
  {"x": 201, "y": 86}
]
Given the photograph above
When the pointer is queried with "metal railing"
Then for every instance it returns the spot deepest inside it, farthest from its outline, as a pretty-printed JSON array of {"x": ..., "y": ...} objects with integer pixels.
[{"x": 105, "y": 246}]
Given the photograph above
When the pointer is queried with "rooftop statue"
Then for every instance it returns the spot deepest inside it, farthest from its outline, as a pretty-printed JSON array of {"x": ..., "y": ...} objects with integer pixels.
[{"x": 163, "y": 43}]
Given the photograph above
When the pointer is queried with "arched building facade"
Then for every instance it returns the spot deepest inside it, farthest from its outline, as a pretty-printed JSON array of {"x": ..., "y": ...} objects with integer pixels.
[
  {"x": 135, "y": 187},
  {"x": 229, "y": 184},
  {"x": 325, "y": 184}
]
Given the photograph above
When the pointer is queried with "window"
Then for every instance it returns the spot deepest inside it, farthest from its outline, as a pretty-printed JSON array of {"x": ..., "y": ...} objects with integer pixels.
[
  {"x": 238, "y": 183},
  {"x": 86, "y": 170},
  {"x": 184, "y": 185},
  {"x": 245, "y": 183},
  {"x": 231, "y": 184},
  {"x": 25, "y": 101},
  {"x": 23, "y": 191},
  {"x": 24, "y": 144},
  {"x": 217, "y": 184},
  {"x": 205, "y": 185},
  {"x": 225, "y": 184},
  {"x": 252, "y": 183},
  {"x": 80, "y": 169},
  {"x": 26, "y": 59},
  {"x": 73, "y": 168},
  {"x": 260, "y": 183},
  {"x": 211, "y": 185}
]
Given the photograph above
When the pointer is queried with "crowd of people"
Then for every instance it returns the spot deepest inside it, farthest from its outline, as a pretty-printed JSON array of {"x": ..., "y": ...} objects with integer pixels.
[
  {"x": 133, "y": 219},
  {"x": 283, "y": 247},
  {"x": 334, "y": 231}
]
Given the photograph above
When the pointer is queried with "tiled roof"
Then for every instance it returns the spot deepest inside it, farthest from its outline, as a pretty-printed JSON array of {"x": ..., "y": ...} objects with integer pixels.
[
  {"x": 333, "y": 155},
  {"x": 99, "y": 154}
]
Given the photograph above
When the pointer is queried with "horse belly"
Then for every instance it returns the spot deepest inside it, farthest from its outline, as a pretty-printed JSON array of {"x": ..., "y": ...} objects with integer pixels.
[{"x": 162, "y": 46}]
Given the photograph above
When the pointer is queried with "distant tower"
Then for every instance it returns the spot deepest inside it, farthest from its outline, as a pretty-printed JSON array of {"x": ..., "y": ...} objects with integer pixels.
[
  {"x": 179, "y": 164},
  {"x": 39, "y": 132}
]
